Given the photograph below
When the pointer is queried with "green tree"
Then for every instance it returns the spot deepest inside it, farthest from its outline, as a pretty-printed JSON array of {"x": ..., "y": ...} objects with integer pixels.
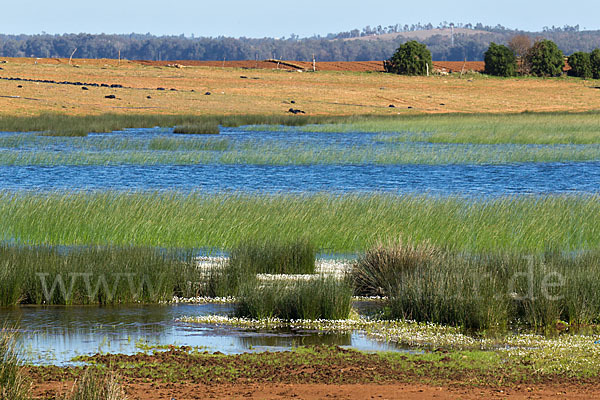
[
  {"x": 595, "y": 63},
  {"x": 545, "y": 59},
  {"x": 411, "y": 58},
  {"x": 500, "y": 61},
  {"x": 580, "y": 64}
]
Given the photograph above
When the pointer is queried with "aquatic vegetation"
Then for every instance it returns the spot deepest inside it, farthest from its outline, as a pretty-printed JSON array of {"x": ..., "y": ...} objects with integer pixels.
[
  {"x": 13, "y": 385},
  {"x": 573, "y": 355},
  {"x": 482, "y": 291},
  {"x": 381, "y": 269},
  {"x": 172, "y": 151},
  {"x": 523, "y": 128},
  {"x": 72, "y": 126},
  {"x": 249, "y": 258},
  {"x": 334, "y": 223},
  {"x": 274, "y": 256},
  {"x": 319, "y": 298},
  {"x": 93, "y": 275},
  {"x": 207, "y": 128},
  {"x": 96, "y": 384}
]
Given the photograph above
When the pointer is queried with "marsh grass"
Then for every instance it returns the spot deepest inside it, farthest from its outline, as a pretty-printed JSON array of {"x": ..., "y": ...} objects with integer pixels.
[
  {"x": 380, "y": 269},
  {"x": 522, "y": 128},
  {"x": 96, "y": 384},
  {"x": 482, "y": 291},
  {"x": 251, "y": 257},
  {"x": 274, "y": 256},
  {"x": 334, "y": 223},
  {"x": 29, "y": 149},
  {"x": 68, "y": 125},
  {"x": 13, "y": 385},
  {"x": 173, "y": 144},
  {"x": 319, "y": 298},
  {"x": 93, "y": 275},
  {"x": 206, "y": 128}
]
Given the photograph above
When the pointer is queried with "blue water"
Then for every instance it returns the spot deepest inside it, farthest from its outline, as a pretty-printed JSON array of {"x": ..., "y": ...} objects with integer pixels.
[
  {"x": 532, "y": 178},
  {"x": 55, "y": 335},
  {"x": 477, "y": 180}
]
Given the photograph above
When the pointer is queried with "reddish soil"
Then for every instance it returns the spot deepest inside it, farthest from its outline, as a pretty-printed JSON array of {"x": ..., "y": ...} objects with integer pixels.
[
  {"x": 318, "y": 374},
  {"x": 407, "y": 391}
]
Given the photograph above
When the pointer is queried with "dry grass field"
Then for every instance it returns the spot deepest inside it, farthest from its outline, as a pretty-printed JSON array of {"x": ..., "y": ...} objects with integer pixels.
[{"x": 240, "y": 90}]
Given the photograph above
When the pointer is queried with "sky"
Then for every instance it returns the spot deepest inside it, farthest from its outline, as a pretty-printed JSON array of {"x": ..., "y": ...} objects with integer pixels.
[{"x": 263, "y": 18}]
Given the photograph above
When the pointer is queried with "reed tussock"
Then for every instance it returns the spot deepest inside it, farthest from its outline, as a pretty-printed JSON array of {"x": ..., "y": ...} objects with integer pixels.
[
  {"x": 13, "y": 385},
  {"x": 380, "y": 269},
  {"x": 96, "y": 385},
  {"x": 274, "y": 256},
  {"x": 251, "y": 257},
  {"x": 319, "y": 298},
  {"x": 207, "y": 128},
  {"x": 483, "y": 291},
  {"x": 93, "y": 275}
]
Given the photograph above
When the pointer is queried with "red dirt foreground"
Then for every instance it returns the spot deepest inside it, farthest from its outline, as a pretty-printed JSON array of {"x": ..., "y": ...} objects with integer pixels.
[{"x": 313, "y": 373}]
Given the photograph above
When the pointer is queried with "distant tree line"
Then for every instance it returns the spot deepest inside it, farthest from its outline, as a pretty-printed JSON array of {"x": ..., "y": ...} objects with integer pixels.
[
  {"x": 333, "y": 47},
  {"x": 541, "y": 58}
]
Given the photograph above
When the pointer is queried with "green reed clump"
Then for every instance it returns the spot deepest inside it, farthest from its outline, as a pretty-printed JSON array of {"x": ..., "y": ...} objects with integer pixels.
[
  {"x": 70, "y": 125},
  {"x": 223, "y": 280},
  {"x": 274, "y": 256},
  {"x": 207, "y": 128},
  {"x": 518, "y": 128},
  {"x": 95, "y": 384},
  {"x": 13, "y": 385},
  {"x": 173, "y": 144},
  {"x": 381, "y": 269},
  {"x": 318, "y": 298},
  {"x": 251, "y": 257},
  {"x": 93, "y": 275},
  {"x": 481, "y": 291}
]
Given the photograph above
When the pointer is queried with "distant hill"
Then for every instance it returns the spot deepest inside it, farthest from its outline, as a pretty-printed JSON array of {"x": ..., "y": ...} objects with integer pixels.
[{"x": 369, "y": 44}]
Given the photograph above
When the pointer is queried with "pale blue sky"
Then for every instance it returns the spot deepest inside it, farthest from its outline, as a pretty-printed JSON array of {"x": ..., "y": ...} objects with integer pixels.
[{"x": 260, "y": 18}]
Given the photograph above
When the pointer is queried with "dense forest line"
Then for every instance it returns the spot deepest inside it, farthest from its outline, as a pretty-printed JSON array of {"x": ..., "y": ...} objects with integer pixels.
[{"x": 345, "y": 46}]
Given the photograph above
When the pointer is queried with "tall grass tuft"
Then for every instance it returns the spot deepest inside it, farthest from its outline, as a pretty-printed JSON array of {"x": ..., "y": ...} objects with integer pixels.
[
  {"x": 274, "y": 256},
  {"x": 96, "y": 385},
  {"x": 93, "y": 275},
  {"x": 206, "y": 128},
  {"x": 252, "y": 257},
  {"x": 380, "y": 270},
  {"x": 486, "y": 290},
  {"x": 318, "y": 298},
  {"x": 13, "y": 385}
]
